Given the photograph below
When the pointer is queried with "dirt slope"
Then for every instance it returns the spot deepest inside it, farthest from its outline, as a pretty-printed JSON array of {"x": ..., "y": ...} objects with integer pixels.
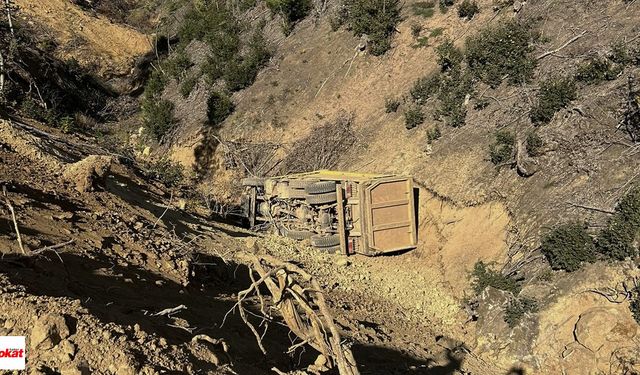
[
  {"x": 96, "y": 43},
  {"x": 470, "y": 210},
  {"x": 88, "y": 306}
]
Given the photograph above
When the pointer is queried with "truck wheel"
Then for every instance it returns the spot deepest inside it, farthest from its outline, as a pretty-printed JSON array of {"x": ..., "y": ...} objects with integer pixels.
[
  {"x": 322, "y": 198},
  {"x": 253, "y": 181},
  {"x": 297, "y": 234},
  {"x": 325, "y": 241},
  {"x": 297, "y": 193},
  {"x": 300, "y": 184},
  {"x": 321, "y": 187}
]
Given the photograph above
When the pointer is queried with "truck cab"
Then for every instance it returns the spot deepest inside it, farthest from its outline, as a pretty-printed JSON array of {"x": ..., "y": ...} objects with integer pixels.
[{"x": 338, "y": 212}]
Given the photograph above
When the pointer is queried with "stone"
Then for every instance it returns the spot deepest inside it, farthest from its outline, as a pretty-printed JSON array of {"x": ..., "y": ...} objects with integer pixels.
[
  {"x": 66, "y": 351},
  {"x": 342, "y": 262},
  {"x": 48, "y": 331},
  {"x": 89, "y": 172},
  {"x": 600, "y": 328}
]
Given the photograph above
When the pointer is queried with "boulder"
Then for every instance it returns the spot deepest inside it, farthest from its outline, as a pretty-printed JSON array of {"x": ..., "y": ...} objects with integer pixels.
[
  {"x": 88, "y": 173},
  {"x": 48, "y": 331}
]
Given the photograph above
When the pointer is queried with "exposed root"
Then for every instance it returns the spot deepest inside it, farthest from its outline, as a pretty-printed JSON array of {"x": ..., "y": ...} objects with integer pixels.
[{"x": 299, "y": 299}]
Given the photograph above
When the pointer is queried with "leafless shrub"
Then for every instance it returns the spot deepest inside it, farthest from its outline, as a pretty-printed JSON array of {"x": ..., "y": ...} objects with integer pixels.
[
  {"x": 322, "y": 148},
  {"x": 253, "y": 157}
]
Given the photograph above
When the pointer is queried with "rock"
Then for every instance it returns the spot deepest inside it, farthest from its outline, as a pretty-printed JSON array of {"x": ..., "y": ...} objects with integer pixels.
[
  {"x": 48, "y": 331},
  {"x": 342, "y": 262},
  {"x": 9, "y": 324},
  {"x": 251, "y": 243},
  {"x": 89, "y": 172},
  {"x": 73, "y": 369},
  {"x": 182, "y": 204},
  {"x": 138, "y": 226},
  {"x": 601, "y": 328},
  {"x": 66, "y": 351}
]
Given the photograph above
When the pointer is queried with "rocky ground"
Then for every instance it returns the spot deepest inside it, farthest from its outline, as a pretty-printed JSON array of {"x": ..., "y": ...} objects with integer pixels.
[{"x": 106, "y": 252}]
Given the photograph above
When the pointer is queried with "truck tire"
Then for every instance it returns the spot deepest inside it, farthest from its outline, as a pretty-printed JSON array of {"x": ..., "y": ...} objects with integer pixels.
[
  {"x": 297, "y": 193},
  {"x": 325, "y": 241},
  {"x": 322, "y": 198},
  {"x": 321, "y": 187},
  {"x": 253, "y": 181},
  {"x": 300, "y": 184},
  {"x": 297, "y": 234}
]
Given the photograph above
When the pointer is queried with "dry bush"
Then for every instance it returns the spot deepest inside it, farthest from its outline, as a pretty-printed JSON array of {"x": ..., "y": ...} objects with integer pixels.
[
  {"x": 252, "y": 157},
  {"x": 322, "y": 148}
]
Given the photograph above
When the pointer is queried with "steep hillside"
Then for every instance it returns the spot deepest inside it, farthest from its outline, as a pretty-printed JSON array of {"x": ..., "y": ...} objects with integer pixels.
[{"x": 517, "y": 119}]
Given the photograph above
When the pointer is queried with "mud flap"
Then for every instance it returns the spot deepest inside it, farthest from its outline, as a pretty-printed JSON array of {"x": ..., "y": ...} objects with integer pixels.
[{"x": 341, "y": 221}]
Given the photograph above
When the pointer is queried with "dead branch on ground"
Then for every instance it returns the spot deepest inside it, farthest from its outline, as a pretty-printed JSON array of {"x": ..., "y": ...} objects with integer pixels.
[
  {"x": 1, "y": 73},
  {"x": 13, "y": 218},
  {"x": 591, "y": 208},
  {"x": 52, "y": 247},
  {"x": 565, "y": 45},
  {"x": 8, "y": 6},
  {"x": 299, "y": 299},
  {"x": 616, "y": 295}
]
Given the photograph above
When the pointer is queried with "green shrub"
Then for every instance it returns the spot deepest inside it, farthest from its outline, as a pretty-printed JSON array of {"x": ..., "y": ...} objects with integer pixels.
[
  {"x": 177, "y": 65},
  {"x": 67, "y": 125},
  {"x": 157, "y": 114},
  {"x": 467, "y": 9},
  {"x": 33, "y": 109},
  {"x": 158, "y": 117},
  {"x": 501, "y": 151},
  {"x": 169, "y": 173},
  {"x": 503, "y": 50},
  {"x": 210, "y": 21},
  {"x": 291, "y": 11},
  {"x": 436, "y": 32},
  {"x": 425, "y": 9},
  {"x": 597, "y": 70},
  {"x": 413, "y": 117},
  {"x": 449, "y": 56},
  {"x": 634, "y": 303},
  {"x": 391, "y": 105},
  {"x": 554, "y": 94},
  {"x": 616, "y": 241},
  {"x": 483, "y": 277},
  {"x": 517, "y": 308},
  {"x": 242, "y": 72},
  {"x": 155, "y": 85},
  {"x": 375, "y": 18},
  {"x": 445, "y": 4},
  {"x": 219, "y": 107},
  {"x": 422, "y": 41},
  {"x": 424, "y": 88},
  {"x": 416, "y": 29},
  {"x": 433, "y": 134},
  {"x": 455, "y": 85},
  {"x": 620, "y": 54},
  {"x": 188, "y": 85},
  {"x": 534, "y": 144},
  {"x": 567, "y": 246},
  {"x": 631, "y": 120}
]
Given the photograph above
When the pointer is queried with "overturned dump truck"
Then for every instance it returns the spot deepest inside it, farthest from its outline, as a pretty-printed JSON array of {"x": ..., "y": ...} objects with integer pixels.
[{"x": 338, "y": 212}]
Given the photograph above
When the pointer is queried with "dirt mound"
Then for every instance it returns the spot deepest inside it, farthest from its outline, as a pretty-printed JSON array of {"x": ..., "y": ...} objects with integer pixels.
[{"x": 88, "y": 173}]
